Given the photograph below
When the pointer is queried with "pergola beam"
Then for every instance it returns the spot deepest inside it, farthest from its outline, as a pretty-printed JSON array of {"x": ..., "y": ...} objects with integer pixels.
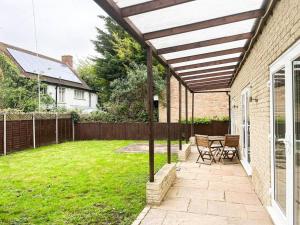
[
  {"x": 213, "y": 87},
  {"x": 199, "y": 72},
  {"x": 206, "y": 55},
  {"x": 211, "y": 84},
  {"x": 208, "y": 75},
  {"x": 213, "y": 63},
  {"x": 204, "y": 24},
  {"x": 150, "y": 6},
  {"x": 207, "y": 81},
  {"x": 205, "y": 43}
]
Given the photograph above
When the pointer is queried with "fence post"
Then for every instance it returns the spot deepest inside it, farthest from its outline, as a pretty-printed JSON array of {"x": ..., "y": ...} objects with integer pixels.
[
  {"x": 56, "y": 128},
  {"x": 33, "y": 130},
  {"x": 73, "y": 129},
  {"x": 4, "y": 134}
]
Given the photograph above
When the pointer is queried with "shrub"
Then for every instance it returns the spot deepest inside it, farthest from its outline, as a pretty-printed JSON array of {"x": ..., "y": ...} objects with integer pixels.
[{"x": 206, "y": 120}]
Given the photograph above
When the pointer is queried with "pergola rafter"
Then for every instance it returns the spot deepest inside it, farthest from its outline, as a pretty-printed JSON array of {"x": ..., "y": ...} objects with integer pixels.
[
  {"x": 206, "y": 43},
  {"x": 212, "y": 75},
  {"x": 205, "y": 71},
  {"x": 204, "y": 24},
  {"x": 206, "y": 55},
  {"x": 209, "y": 80},
  {"x": 150, "y": 6},
  {"x": 213, "y": 63}
]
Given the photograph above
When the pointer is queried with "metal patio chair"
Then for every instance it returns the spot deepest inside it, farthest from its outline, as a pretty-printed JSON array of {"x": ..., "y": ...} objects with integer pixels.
[
  {"x": 231, "y": 147},
  {"x": 204, "y": 149}
]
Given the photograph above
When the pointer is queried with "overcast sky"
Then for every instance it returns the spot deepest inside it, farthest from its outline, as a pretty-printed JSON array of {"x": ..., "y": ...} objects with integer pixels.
[{"x": 63, "y": 26}]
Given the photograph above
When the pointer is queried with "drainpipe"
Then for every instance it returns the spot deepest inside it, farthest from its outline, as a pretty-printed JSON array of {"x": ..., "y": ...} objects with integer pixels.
[
  {"x": 229, "y": 112},
  {"x": 56, "y": 96}
]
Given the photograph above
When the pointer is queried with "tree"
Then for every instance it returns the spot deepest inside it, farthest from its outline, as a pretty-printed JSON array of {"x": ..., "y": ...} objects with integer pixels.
[
  {"x": 128, "y": 101},
  {"x": 17, "y": 92},
  {"x": 119, "y": 52}
]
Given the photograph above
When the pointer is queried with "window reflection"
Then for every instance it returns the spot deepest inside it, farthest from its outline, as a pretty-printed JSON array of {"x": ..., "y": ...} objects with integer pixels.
[{"x": 279, "y": 133}]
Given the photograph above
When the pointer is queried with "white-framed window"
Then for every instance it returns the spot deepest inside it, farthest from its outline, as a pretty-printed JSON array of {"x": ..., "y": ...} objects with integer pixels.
[
  {"x": 79, "y": 94},
  {"x": 62, "y": 94}
]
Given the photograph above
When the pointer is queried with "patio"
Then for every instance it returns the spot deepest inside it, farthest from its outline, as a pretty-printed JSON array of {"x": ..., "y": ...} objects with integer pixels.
[{"x": 216, "y": 194}]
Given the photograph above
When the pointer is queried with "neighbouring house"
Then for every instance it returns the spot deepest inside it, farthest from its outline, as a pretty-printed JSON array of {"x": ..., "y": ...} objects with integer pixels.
[
  {"x": 208, "y": 104},
  {"x": 64, "y": 85}
]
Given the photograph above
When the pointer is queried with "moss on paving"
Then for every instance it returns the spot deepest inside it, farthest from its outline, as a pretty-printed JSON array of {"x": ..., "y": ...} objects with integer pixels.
[{"x": 74, "y": 183}]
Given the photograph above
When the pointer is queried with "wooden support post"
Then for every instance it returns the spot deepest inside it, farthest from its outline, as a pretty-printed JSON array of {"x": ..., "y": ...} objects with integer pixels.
[
  {"x": 4, "y": 134},
  {"x": 186, "y": 117},
  {"x": 150, "y": 113},
  {"x": 33, "y": 130},
  {"x": 169, "y": 113},
  {"x": 179, "y": 120},
  {"x": 193, "y": 111},
  {"x": 56, "y": 128},
  {"x": 73, "y": 129}
]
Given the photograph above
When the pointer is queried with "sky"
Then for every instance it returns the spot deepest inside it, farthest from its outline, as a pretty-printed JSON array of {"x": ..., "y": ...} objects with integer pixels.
[{"x": 63, "y": 26}]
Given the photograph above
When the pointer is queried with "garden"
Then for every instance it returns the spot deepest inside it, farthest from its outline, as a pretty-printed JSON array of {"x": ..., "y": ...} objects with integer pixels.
[{"x": 84, "y": 182}]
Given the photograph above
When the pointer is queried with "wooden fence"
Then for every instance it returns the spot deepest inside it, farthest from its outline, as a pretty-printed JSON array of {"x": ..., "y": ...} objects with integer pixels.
[
  {"x": 22, "y": 131},
  {"x": 33, "y": 130},
  {"x": 139, "y": 131}
]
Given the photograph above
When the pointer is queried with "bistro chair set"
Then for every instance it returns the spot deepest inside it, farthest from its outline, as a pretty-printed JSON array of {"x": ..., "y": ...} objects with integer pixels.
[{"x": 217, "y": 148}]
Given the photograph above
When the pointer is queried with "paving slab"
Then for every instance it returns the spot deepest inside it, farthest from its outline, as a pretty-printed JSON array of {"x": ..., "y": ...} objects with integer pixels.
[{"x": 209, "y": 195}]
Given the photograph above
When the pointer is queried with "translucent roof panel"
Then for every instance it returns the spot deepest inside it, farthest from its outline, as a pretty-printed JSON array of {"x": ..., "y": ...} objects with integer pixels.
[
  {"x": 212, "y": 48},
  {"x": 205, "y": 34},
  {"x": 191, "y": 12},
  {"x": 209, "y": 67},
  {"x": 204, "y": 74},
  {"x": 220, "y": 78},
  {"x": 125, "y": 3},
  {"x": 37, "y": 65},
  {"x": 207, "y": 60}
]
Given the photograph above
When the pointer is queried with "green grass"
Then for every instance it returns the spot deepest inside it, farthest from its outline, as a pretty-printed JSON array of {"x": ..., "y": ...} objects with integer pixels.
[{"x": 74, "y": 183}]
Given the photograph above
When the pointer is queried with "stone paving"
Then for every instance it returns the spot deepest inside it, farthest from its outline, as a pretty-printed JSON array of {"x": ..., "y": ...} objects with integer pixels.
[{"x": 208, "y": 195}]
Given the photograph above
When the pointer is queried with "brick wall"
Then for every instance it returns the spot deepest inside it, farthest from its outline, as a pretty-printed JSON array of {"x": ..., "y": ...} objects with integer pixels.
[
  {"x": 281, "y": 31},
  {"x": 206, "y": 104}
]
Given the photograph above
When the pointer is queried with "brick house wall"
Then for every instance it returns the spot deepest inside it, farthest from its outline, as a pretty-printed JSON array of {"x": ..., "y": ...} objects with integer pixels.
[
  {"x": 280, "y": 32},
  {"x": 206, "y": 104}
]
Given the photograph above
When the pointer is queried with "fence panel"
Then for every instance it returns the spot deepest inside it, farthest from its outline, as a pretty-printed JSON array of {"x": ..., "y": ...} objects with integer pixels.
[
  {"x": 18, "y": 132},
  {"x": 64, "y": 129},
  {"x": 139, "y": 131},
  {"x": 1, "y": 134}
]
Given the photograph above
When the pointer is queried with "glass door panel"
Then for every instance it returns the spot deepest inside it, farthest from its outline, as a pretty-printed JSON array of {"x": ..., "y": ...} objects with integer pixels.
[
  {"x": 279, "y": 125},
  {"x": 296, "y": 80},
  {"x": 246, "y": 126}
]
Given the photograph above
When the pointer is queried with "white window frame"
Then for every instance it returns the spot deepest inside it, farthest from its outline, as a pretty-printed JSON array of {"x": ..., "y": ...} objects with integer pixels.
[
  {"x": 285, "y": 60},
  {"x": 62, "y": 95},
  {"x": 244, "y": 160},
  {"x": 76, "y": 96}
]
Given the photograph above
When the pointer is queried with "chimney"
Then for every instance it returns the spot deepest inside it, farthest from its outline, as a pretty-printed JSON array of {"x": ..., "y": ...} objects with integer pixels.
[{"x": 67, "y": 59}]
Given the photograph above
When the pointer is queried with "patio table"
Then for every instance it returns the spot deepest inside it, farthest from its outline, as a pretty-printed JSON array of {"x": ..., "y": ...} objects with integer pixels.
[
  {"x": 219, "y": 139},
  {"x": 216, "y": 148}
]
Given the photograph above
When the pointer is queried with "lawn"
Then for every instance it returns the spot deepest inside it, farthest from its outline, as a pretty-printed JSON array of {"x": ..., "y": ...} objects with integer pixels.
[{"x": 74, "y": 183}]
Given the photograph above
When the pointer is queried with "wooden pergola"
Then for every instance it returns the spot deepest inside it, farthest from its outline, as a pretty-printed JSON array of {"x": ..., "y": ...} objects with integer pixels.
[{"x": 202, "y": 43}]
